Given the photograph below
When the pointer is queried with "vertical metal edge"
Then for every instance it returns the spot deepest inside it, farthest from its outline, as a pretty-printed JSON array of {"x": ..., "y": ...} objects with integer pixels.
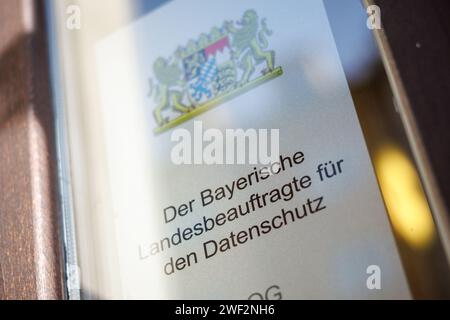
[
  {"x": 72, "y": 283},
  {"x": 436, "y": 202}
]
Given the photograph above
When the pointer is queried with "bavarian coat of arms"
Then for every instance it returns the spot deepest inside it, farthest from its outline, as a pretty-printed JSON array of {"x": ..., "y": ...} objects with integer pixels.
[{"x": 228, "y": 61}]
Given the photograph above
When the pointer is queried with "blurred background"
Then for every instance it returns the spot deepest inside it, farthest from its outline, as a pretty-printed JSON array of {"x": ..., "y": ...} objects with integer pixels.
[{"x": 405, "y": 200}]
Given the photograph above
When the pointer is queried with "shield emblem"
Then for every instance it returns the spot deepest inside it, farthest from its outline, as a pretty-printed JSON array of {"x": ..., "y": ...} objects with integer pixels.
[
  {"x": 218, "y": 66},
  {"x": 209, "y": 72}
]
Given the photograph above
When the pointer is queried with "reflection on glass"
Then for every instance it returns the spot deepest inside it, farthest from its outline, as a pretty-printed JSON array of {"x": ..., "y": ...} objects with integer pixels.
[
  {"x": 404, "y": 197},
  {"x": 101, "y": 138}
]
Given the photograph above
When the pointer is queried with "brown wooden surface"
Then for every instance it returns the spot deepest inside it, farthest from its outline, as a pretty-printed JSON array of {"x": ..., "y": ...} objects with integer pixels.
[
  {"x": 418, "y": 33},
  {"x": 30, "y": 251}
]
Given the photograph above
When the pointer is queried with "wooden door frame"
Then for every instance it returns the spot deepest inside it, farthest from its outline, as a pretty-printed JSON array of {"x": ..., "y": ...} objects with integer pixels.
[{"x": 30, "y": 243}]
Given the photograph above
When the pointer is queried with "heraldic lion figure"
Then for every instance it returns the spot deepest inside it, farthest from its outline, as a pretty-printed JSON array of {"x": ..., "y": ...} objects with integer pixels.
[
  {"x": 249, "y": 42},
  {"x": 169, "y": 89}
]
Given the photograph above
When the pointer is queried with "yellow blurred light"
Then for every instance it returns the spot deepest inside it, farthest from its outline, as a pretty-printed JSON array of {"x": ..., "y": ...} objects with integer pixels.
[{"x": 407, "y": 206}]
